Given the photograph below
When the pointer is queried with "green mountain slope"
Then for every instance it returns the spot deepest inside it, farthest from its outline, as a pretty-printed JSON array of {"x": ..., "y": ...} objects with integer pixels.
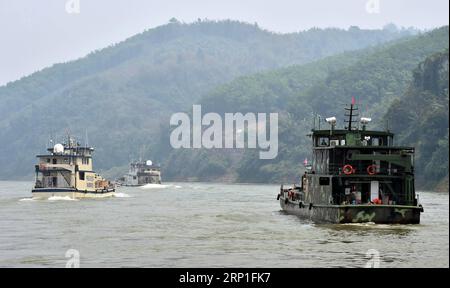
[
  {"x": 376, "y": 77},
  {"x": 421, "y": 118},
  {"x": 123, "y": 95}
]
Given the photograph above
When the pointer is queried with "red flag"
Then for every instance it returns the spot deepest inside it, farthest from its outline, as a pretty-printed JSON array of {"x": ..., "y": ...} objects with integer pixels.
[{"x": 353, "y": 100}]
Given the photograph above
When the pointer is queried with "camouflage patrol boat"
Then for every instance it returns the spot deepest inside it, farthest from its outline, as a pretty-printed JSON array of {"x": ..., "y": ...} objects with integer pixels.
[{"x": 356, "y": 176}]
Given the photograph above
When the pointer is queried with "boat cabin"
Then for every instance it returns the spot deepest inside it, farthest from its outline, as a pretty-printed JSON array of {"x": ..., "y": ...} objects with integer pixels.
[
  {"x": 357, "y": 166},
  {"x": 68, "y": 166}
]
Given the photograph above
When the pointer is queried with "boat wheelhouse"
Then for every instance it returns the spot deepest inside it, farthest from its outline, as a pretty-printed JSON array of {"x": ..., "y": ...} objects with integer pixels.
[
  {"x": 67, "y": 170},
  {"x": 356, "y": 175},
  {"x": 142, "y": 173}
]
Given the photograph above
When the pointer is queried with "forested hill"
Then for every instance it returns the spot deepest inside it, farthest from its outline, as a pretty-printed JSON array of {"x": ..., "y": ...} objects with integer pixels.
[
  {"x": 376, "y": 77},
  {"x": 421, "y": 119},
  {"x": 122, "y": 96}
]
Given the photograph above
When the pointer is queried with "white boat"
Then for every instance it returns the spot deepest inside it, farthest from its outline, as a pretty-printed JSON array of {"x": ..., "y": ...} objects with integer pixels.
[
  {"x": 67, "y": 171},
  {"x": 141, "y": 173}
]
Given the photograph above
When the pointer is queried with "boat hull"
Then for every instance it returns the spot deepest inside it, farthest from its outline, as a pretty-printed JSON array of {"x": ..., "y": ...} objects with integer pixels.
[
  {"x": 45, "y": 193},
  {"x": 340, "y": 214}
]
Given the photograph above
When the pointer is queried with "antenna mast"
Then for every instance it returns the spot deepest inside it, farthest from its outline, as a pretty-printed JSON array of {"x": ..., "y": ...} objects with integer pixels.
[
  {"x": 86, "y": 141},
  {"x": 352, "y": 113}
]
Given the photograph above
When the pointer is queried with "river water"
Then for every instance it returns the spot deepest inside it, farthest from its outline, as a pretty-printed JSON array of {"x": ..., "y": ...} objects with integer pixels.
[{"x": 205, "y": 225}]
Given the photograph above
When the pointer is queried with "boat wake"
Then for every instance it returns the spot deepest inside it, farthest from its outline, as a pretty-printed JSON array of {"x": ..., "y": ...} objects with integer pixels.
[
  {"x": 61, "y": 198},
  {"x": 26, "y": 199},
  {"x": 372, "y": 225},
  {"x": 365, "y": 224},
  {"x": 159, "y": 186},
  {"x": 121, "y": 195},
  {"x": 53, "y": 198}
]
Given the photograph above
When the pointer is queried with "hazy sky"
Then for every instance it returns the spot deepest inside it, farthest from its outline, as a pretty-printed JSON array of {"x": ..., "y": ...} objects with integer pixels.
[{"x": 37, "y": 33}]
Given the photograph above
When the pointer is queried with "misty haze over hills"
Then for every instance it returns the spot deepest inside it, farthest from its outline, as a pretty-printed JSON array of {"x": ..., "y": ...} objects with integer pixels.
[
  {"x": 36, "y": 34},
  {"x": 123, "y": 95}
]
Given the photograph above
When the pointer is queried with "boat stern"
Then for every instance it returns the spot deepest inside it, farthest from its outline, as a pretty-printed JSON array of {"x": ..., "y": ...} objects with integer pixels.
[{"x": 379, "y": 214}]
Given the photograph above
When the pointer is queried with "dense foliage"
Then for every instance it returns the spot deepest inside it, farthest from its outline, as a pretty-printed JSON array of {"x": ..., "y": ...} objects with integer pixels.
[
  {"x": 377, "y": 77},
  {"x": 421, "y": 119}
]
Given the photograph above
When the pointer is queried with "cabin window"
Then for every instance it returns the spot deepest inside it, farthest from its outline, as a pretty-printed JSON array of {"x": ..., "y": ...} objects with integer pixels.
[
  {"x": 54, "y": 161},
  {"x": 375, "y": 141},
  {"x": 48, "y": 160},
  {"x": 81, "y": 175},
  {"x": 334, "y": 143},
  {"x": 324, "y": 141},
  {"x": 324, "y": 181}
]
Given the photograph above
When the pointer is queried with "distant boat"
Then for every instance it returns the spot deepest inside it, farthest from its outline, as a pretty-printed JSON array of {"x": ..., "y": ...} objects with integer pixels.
[
  {"x": 141, "y": 173},
  {"x": 67, "y": 171},
  {"x": 355, "y": 176}
]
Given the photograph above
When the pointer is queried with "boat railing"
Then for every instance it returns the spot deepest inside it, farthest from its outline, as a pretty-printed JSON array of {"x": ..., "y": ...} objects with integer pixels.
[
  {"x": 364, "y": 170},
  {"x": 397, "y": 198},
  {"x": 48, "y": 166},
  {"x": 49, "y": 184},
  {"x": 39, "y": 184}
]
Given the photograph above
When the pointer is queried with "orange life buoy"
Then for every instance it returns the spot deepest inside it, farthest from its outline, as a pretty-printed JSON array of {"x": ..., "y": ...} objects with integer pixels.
[
  {"x": 347, "y": 169},
  {"x": 371, "y": 169},
  {"x": 377, "y": 201}
]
